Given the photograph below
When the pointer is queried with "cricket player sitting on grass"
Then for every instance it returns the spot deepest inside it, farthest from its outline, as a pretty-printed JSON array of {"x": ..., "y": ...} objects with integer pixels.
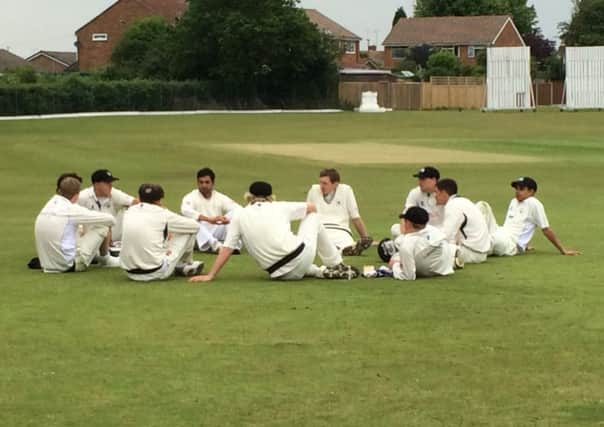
[
  {"x": 264, "y": 226},
  {"x": 157, "y": 242},
  {"x": 337, "y": 206},
  {"x": 464, "y": 224},
  {"x": 103, "y": 197},
  {"x": 60, "y": 246},
  {"x": 525, "y": 213},
  {"x": 423, "y": 196},
  {"x": 423, "y": 250},
  {"x": 211, "y": 209}
]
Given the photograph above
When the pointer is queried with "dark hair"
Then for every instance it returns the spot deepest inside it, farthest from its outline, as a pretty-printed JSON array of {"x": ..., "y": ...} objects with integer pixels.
[
  {"x": 206, "y": 172},
  {"x": 333, "y": 174},
  {"x": 67, "y": 175},
  {"x": 150, "y": 193},
  {"x": 447, "y": 185},
  {"x": 69, "y": 186}
]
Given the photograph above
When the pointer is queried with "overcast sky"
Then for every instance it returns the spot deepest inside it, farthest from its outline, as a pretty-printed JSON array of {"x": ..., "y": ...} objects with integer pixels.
[{"x": 27, "y": 26}]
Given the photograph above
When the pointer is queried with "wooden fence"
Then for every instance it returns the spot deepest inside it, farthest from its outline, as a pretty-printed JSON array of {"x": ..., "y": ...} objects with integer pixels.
[{"x": 440, "y": 93}]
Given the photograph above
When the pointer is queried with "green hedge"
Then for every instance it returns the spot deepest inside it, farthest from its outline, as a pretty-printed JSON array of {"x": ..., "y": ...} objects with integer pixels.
[{"x": 78, "y": 94}]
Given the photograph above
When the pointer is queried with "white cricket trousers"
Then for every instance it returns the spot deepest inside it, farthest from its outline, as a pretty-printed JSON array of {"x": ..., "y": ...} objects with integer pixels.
[
  {"x": 88, "y": 244},
  {"x": 181, "y": 252},
  {"x": 316, "y": 241},
  {"x": 502, "y": 244},
  {"x": 209, "y": 235}
]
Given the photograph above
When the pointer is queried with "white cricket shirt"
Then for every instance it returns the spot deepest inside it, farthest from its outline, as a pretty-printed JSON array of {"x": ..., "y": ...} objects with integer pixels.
[
  {"x": 522, "y": 218},
  {"x": 145, "y": 228},
  {"x": 117, "y": 201},
  {"x": 56, "y": 230},
  {"x": 265, "y": 229},
  {"x": 337, "y": 213},
  {"x": 465, "y": 225},
  {"x": 427, "y": 201},
  {"x": 423, "y": 253},
  {"x": 194, "y": 204}
]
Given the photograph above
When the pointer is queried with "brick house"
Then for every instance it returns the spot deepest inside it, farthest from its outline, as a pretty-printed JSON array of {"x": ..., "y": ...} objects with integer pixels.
[
  {"x": 348, "y": 41},
  {"x": 10, "y": 61},
  {"x": 97, "y": 38},
  {"x": 52, "y": 62},
  {"x": 466, "y": 36}
]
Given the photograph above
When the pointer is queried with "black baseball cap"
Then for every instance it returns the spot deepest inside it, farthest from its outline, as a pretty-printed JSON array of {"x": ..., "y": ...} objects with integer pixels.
[
  {"x": 416, "y": 215},
  {"x": 427, "y": 172},
  {"x": 261, "y": 189},
  {"x": 525, "y": 182},
  {"x": 150, "y": 193},
  {"x": 103, "y": 175}
]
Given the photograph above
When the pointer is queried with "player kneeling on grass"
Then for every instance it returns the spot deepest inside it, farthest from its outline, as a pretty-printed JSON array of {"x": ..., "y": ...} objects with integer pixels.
[
  {"x": 464, "y": 224},
  {"x": 423, "y": 250},
  {"x": 525, "y": 213},
  {"x": 156, "y": 242},
  {"x": 264, "y": 227},
  {"x": 60, "y": 246}
]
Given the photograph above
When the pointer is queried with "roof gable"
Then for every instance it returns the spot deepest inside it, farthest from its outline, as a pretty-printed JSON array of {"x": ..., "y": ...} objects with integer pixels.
[
  {"x": 447, "y": 30},
  {"x": 169, "y": 9},
  {"x": 9, "y": 60},
  {"x": 329, "y": 26},
  {"x": 63, "y": 58}
]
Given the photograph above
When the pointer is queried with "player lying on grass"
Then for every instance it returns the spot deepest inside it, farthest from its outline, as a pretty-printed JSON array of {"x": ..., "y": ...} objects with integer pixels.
[
  {"x": 264, "y": 227},
  {"x": 525, "y": 213},
  {"x": 421, "y": 250}
]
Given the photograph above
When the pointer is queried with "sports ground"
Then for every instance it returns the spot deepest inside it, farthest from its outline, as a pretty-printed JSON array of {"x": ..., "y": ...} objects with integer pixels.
[{"x": 515, "y": 341}]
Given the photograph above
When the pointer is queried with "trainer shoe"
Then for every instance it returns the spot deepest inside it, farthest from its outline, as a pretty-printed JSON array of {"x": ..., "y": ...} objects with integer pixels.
[
  {"x": 108, "y": 261},
  {"x": 341, "y": 271},
  {"x": 190, "y": 269}
]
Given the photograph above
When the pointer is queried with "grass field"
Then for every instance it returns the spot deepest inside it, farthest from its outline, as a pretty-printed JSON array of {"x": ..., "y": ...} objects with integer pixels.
[{"x": 513, "y": 342}]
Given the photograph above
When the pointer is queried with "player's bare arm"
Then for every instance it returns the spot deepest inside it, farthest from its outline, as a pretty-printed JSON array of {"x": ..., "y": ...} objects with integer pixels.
[
  {"x": 223, "y": 256},
  {"x": 551, "y": 236}
]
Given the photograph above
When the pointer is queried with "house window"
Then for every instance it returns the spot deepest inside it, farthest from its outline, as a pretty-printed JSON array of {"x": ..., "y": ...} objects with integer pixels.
[
  {"x": 399, "y": 52},
  {"x": 453, "y": 50},
  {"x": 99, "y": 37},
  {"x": 471, "y": 52},
  {"x": 349, "y": 47}
]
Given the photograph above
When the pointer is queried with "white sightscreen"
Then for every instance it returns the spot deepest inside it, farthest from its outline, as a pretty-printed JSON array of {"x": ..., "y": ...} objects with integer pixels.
[
  {"x": 585, "y": 77},
  {"x": 509, "y": 85}
]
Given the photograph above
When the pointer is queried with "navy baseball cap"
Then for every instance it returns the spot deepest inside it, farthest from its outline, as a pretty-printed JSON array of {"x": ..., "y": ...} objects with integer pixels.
[
  {"x": 261, "y": 189},
  {"x": 416, "y": 215},
  {"x": 103, "y": 175},
  {"x": 427, "y": 172},
  {"x": 525, "y": 182},
  {"x": 150, "y": 193}
]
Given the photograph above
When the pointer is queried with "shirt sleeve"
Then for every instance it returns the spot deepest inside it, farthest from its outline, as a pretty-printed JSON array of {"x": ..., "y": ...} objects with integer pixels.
[
  {"x": 187, "y": 208},
  {"x": 410, "y": 201},
  {"x": 181, "y": 225},
  {"x": 538, "y": 216},
  {"x": 404, "y": 269},
  {"x": 121, "y": 199},
  {"x": 81, "y": 215},
  {"x": 453, "y": 218},
  {"x": 351, "y": 205},
  {"x": 233, "y": 235},
  {"x": 228, "y": 205},
  {"x": 293, "y": 210}
]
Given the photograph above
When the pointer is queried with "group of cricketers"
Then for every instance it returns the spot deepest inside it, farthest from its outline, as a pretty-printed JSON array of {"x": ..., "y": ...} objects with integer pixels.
[{"x": 438, "y": 230}]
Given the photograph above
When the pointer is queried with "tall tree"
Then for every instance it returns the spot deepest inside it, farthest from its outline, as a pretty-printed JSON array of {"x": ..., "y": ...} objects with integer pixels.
[
  {"x": 524, "y": 15},
  {"x": 586, "y": 27},
  {"x": 255, "y": 49},
  {"x": 144, "y": 50},
  {"x": 400, "y": 13}
]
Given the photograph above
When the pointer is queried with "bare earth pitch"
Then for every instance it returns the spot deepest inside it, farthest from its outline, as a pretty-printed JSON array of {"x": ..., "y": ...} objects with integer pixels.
[{"x": 376, "y": 153}]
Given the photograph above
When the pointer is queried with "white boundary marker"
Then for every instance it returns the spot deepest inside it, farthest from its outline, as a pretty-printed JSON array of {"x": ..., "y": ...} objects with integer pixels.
[
  {"x": 584, "y": 84},
  {"x": 162, "y": 113}
]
